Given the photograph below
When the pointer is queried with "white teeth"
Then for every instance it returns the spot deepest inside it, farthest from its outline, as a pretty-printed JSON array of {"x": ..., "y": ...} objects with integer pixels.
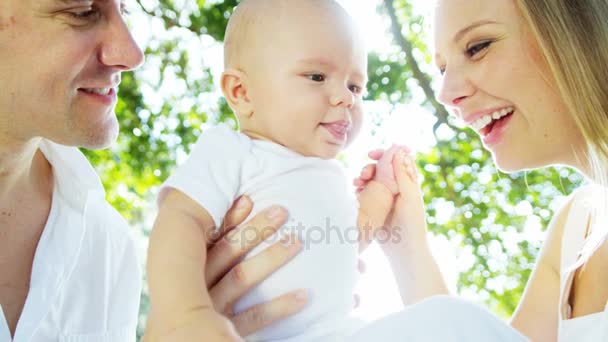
[
  {"x": 100, "y": 91},
  {"x": 485, "y": 120}
]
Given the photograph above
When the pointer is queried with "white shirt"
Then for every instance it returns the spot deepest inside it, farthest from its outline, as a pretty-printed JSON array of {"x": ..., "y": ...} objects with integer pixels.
[
  {"x": 86, "y": 281},
  {"x": 440, "y": 318},
  {"x": 225, "y": 164}
]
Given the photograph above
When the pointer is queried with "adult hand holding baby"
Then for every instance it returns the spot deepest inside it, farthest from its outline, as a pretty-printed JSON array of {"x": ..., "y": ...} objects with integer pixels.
[{"x": 228, "y": 280}]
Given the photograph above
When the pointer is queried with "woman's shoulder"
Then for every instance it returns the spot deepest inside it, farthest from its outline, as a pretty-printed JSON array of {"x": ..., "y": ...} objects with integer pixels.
[
  {"x": 577, "y": 207},
  {"x": 580, "y": 220},
  {"x": 591, "y": 193},
  {"x": 568, "y": 217},
  {"x": 587, "y": 207}
]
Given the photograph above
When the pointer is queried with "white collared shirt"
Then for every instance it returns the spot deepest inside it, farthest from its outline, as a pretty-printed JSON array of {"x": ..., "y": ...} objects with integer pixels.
[{"x": 86, "y": 280}]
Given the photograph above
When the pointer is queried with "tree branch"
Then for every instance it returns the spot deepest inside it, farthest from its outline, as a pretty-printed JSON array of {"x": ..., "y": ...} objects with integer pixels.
[{"x": 423, "y": 80}]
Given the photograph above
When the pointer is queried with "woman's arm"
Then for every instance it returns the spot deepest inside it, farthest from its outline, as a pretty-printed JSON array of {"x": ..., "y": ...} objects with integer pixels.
[
  {"x": 414, "y": 266},
  {"x": 404, "y": 236},
  {"x": 536, "y": 315}
]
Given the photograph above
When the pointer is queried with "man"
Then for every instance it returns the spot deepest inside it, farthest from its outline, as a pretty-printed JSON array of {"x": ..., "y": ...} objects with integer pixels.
[{"x": 68, "y": 270}]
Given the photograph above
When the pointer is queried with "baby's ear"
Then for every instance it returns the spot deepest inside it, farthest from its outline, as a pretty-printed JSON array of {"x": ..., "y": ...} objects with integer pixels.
[{"x": 234, "y": 86}]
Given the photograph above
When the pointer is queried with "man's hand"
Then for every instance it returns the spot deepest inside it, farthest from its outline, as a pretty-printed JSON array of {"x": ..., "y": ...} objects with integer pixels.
[
  {"x": 202, "y": 324},
  {"x": 228, "y": 278}
]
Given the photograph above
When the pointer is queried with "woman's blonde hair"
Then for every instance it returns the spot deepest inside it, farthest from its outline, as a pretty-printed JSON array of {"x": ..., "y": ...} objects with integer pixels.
[{"x": 573, "y": 36}]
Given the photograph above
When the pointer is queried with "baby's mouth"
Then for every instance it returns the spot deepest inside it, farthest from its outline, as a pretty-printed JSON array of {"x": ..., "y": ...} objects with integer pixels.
[{"x": 337, "y": 130}]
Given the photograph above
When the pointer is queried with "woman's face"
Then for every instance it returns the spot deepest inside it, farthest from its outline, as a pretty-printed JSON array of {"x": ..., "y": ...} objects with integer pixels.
[{"x": 496, "y": 80}]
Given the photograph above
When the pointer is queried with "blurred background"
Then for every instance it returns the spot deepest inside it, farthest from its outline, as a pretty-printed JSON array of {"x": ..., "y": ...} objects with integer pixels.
[{"x": 486, "y": 227}]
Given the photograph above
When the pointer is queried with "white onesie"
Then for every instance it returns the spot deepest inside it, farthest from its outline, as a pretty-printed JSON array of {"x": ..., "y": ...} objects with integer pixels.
[{"x": 225, "y": 164}]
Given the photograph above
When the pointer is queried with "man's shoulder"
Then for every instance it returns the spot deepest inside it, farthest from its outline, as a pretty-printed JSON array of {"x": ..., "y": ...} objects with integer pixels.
[{"x": 105, "y": 223}]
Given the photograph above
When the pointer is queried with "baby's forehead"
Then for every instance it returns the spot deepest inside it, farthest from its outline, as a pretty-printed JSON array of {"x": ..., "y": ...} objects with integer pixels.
[
  {"x": 269, "y": 14},
  {"x": 261, "y": 26}
]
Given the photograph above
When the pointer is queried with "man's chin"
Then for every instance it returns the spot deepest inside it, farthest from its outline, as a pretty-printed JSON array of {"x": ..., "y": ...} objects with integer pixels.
[
  {"x": 96, "y": 146},
  {"x": 97, "y": 138},
  {"x": 99, "y": 142}
]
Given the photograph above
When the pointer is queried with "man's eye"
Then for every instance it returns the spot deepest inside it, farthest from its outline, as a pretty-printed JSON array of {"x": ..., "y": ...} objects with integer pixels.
[
  {"x": 88, "y": 14},
  {"x": 475, "y": 49},
  {"x": 316, "y": 77},
  {"x": 123, "y": 10}
]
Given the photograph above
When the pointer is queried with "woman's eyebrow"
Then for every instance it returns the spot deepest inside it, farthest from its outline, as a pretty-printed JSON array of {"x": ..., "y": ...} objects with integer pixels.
[{"x": 458, "y": 36}]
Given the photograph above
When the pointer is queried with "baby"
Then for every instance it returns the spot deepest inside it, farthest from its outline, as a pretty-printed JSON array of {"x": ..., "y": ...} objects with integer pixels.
[{"x": 295, "y": 73}]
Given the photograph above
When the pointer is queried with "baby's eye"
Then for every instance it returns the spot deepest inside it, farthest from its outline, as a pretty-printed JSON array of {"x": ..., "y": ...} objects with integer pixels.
[{"x": 316, "y": 77}]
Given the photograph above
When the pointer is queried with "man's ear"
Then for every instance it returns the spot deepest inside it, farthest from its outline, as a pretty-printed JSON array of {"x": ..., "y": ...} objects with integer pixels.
[{"x": 234, "y": 86}]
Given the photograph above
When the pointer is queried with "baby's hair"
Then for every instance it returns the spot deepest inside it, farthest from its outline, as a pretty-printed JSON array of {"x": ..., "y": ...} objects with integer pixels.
[{"x": 240, "y": 33}]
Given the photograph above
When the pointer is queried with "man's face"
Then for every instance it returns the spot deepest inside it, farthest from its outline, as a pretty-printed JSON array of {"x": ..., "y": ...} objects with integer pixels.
[{"x": 60, "y": 70}]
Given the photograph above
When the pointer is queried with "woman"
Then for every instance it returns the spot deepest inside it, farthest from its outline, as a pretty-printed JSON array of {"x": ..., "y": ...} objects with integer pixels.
[{"x": 537, "y": 68}]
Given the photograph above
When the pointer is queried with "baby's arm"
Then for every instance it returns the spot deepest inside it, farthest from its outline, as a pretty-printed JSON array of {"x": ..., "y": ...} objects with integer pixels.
[
  {"x": 183, "y": 310},
  {"x": 376, "y": 198}
]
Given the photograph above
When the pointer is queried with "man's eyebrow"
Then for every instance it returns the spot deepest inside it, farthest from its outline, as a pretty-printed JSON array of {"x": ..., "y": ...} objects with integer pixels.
[
  {"x": 74, "y": 2},
  {"x": 458, "y": 36}
]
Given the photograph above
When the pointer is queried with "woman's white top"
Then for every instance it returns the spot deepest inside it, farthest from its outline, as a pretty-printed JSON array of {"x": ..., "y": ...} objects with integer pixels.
[{"x": 588, "y": 210}]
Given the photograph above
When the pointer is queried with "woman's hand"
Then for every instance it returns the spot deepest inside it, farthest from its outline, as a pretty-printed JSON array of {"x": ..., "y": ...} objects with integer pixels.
[
  {"x": 228, "y": 279},
  {"x": 404, "y": 236},
  {"x": 406, "y": 224},
  {"x": 408, "y": 218}
]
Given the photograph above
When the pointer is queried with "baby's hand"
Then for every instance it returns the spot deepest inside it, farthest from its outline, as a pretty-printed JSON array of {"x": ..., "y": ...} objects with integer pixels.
[
  {"x": 383, "y": 171},
  {"x": 378, "y": 187}
]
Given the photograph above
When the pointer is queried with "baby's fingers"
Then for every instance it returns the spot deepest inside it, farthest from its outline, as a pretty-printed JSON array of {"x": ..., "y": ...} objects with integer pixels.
[
  {"x": 384, "y": 168},
  {"x": 376, "y": 154},
  {"x": 368, "y": 172}
]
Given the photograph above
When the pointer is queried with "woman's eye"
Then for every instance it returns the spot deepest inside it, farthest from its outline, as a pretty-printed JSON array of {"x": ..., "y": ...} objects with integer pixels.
[
  {"x": 355, "y": 89},
  {"x": 316, "y": 77},
  {"x": 475, "y": 49}
]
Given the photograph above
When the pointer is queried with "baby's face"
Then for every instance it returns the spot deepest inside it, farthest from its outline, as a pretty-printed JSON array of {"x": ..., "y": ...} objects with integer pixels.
[{"x": 308, "y": 83}]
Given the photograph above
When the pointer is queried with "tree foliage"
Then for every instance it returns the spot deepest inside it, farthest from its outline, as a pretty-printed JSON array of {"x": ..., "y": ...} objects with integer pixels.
[{"x": 164, "y": 106}]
